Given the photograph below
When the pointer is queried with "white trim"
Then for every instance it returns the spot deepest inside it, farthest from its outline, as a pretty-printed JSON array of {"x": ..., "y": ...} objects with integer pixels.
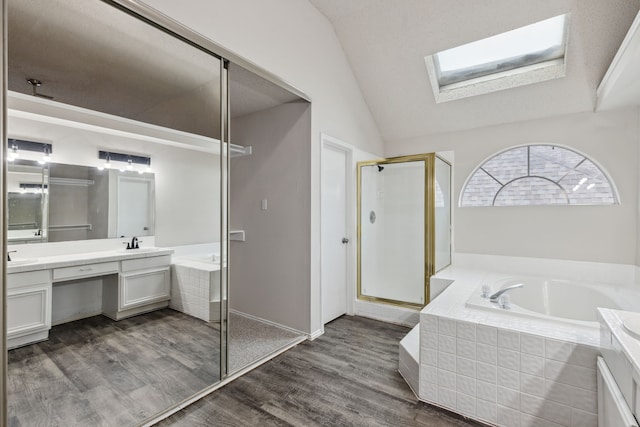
[
  {"x": 329, "y": 141},
  {"x": 387, "y": 313},
  {"x": 316, "y": 334},
  {"x": 268, "y": 322},
  {"x": 618, "y": 66}
]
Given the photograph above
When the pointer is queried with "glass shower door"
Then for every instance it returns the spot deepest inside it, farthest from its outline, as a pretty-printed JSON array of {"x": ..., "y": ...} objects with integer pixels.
[{"x": 395, "y": 230}]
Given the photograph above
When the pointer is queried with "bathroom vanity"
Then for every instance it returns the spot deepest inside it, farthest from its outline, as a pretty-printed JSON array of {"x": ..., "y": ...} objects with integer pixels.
[
  {"x": 133, "y": 282},
  {"x": 618, "y": 369}
]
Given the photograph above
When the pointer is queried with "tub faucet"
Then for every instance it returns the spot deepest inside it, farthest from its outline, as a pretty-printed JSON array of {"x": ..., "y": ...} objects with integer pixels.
[
  {"x": 9, "y": 255},
  {"x": 494, "y": 297}
]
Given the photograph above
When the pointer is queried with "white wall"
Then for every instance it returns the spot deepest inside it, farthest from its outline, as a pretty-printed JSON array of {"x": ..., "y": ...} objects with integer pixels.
[
  {"x": 294, "y": 41},
  {"x": 186, "y": 181},
  {"x": 270, "y": 271},
  {"x": 586, "y": 233}
]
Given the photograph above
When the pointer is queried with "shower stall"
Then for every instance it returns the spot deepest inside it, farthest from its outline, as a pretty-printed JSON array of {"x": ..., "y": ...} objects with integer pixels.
[{"x": 404, "y": 217}]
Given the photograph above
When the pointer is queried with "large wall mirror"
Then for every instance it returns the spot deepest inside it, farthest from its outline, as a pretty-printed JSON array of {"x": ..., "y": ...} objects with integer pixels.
[
  {"x": 86, "y": 78},
  {"x": 58, "y": 202},
  {"x": 98, "y": 86}
]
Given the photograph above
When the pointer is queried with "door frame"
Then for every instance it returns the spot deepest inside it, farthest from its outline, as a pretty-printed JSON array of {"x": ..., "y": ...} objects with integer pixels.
[{"x": 350, "y": 220}]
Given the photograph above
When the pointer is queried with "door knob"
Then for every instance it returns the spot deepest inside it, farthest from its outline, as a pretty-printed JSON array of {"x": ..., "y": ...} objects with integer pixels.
[{"x": 345, "y": 240}]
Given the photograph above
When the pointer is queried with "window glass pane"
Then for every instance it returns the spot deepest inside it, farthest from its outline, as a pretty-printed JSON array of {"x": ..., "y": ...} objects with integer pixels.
[
  {"x": 480, "y": 190},
  {"x": 552, "y": 162},
  {"x": 532, "y": 44},
  {"x": 588, "y": 186},
  {"x": 538, "y": 175},
  {"x": 531, "y": 191},
  {"x": 508, "y": 165}
]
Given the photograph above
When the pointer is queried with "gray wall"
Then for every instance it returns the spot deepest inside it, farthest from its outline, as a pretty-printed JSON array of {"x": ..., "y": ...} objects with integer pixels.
[{"x": 270, "y": 271}]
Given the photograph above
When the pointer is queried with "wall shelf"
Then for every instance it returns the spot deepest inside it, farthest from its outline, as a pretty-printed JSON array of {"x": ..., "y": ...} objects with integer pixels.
[
  {"x": 44, "y": 111},
  {"x": 237, "y": 235}
]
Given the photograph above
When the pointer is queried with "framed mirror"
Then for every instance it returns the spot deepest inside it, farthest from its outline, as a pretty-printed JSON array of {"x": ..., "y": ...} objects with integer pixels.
[{"x": 27, "y": 202}]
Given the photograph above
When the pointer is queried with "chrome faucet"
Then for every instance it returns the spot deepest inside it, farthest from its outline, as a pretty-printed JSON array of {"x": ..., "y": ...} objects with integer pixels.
[
  {"x": 9, "y": 255},
  {"x": 495, "y": 296}
]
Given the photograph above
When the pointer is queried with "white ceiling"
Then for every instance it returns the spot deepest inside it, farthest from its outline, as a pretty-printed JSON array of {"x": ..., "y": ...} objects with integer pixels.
[{"x": 386, "y": 42}]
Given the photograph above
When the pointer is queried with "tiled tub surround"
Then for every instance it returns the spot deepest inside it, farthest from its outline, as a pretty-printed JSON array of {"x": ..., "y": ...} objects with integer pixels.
[
  {"x": 195, "y": 288},
  {"x": 505, "y": 369}
]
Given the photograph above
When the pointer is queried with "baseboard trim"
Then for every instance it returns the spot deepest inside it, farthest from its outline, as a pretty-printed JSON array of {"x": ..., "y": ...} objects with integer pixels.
[
  {"x": 313, "y": 335},
  {"x": 268, "y": 322}
]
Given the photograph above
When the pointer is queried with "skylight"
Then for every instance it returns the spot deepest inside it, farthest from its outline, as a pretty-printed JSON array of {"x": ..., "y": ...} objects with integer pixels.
[{"x": 525, "y": 50}]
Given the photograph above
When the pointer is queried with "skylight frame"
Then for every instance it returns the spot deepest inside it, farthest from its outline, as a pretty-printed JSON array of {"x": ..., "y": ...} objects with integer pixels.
[{"x": 537, "y": 69}]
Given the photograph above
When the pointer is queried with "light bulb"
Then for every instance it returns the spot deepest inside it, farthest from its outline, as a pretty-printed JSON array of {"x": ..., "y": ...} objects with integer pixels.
[
  {"x": 107, "y": 164},
  {"x": 129, "y": 165},
  {"x": 14, "y": 152}
]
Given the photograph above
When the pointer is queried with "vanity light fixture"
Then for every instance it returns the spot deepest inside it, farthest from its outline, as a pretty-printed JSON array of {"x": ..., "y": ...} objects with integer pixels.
[
  {"x": 14, "y": 153},
  {"x": 128, "y": 160},
  {"x": 46, "y": 156},
  {"x": 32, "y": 146}
]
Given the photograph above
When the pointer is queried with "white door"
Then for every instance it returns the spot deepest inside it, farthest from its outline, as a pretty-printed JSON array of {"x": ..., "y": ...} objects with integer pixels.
[
  {"x": 335, "y": 240},
  {"x": 134, "y": 206}
]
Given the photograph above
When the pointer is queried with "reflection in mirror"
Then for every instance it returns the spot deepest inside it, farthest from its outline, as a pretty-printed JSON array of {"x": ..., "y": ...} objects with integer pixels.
[
  {"x": 27, "y": 201},
  {"x": 107, "y": 339},
  {"x": 88, "y": 203}
]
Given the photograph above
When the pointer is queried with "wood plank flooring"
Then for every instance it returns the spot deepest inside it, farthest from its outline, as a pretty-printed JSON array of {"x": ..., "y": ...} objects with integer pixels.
[
  {"x": 347, "y": 377},
  {"x": 98, "y": 372}
]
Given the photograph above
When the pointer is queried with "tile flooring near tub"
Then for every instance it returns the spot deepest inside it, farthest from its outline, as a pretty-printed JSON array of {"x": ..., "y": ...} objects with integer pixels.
[{"x": 507, "y": 378}]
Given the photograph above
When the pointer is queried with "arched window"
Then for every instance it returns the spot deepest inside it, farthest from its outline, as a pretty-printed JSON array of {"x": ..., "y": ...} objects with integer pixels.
[{"x": 538, "y": 175}]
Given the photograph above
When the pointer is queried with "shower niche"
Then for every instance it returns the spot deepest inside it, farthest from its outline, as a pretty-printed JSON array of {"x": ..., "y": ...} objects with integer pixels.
[{"x": 404, "y": 222}]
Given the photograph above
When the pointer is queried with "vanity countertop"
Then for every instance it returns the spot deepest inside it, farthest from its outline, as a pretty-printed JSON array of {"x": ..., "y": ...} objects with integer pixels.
[
  {"x": 70, "y": 260},
  {"x": 614, "y": 321}
]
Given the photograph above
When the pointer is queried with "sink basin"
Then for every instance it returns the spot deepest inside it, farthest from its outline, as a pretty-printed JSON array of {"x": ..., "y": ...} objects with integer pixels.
[
  {"x": 139, "y": 250},
  {"x": 23, "y": 261}
]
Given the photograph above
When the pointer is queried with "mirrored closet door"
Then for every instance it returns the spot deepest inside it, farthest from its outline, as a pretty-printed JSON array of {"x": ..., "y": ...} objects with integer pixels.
[{"x": 118, "y": 134}]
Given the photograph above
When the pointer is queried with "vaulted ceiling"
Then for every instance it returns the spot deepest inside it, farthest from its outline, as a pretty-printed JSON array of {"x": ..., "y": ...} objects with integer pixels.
[{"x": 386, "y": 42}]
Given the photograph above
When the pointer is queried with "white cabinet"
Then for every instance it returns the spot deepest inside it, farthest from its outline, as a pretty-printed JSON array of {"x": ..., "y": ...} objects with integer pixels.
[
  {"x": 143, "y": 285},
  {"x": 142, "y": 288},
  {"x": 28, "y": 307}
]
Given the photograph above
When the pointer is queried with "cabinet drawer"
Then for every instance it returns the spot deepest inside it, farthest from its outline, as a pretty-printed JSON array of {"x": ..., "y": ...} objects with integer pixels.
[
  {"x": 138, "y": 289},
  {"x": 29, "y": 278},
  {"x": 28, "y": 310},
  {"x": 80, "y": 271},
  {"x": 146, "y": 263}
]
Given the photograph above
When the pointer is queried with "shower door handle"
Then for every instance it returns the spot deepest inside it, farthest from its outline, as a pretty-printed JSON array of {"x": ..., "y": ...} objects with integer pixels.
[{"x": 345, "y": 240}]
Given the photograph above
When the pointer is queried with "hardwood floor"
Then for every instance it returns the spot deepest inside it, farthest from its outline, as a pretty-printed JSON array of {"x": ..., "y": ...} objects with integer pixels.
[
  {"x": 98, "y": 372},
  {"x": 347, "y": 377}
]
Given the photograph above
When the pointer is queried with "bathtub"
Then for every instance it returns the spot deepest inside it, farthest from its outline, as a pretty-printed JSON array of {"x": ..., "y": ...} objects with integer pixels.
[{"x": 564, "y": 301}]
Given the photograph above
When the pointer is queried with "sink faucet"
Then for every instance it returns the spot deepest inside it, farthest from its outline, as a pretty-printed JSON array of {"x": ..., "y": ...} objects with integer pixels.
[
  {"x": 134, "y": 244},
  {"x": 9, "y": 255},
  {"x": 494, "y": 297}
]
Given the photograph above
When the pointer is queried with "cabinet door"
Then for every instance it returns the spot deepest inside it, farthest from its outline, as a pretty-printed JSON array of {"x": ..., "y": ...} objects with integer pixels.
[
  {"x": 141, "y": 288},
  {"x": 28, "y": 310}
]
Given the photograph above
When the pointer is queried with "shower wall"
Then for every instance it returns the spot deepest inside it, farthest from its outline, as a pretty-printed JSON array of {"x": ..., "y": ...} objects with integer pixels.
[{"x": 392, "y": 231}]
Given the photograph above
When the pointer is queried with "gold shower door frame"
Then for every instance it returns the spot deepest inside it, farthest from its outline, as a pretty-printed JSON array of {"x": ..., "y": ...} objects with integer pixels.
[{"x": 429, "y": 222}]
